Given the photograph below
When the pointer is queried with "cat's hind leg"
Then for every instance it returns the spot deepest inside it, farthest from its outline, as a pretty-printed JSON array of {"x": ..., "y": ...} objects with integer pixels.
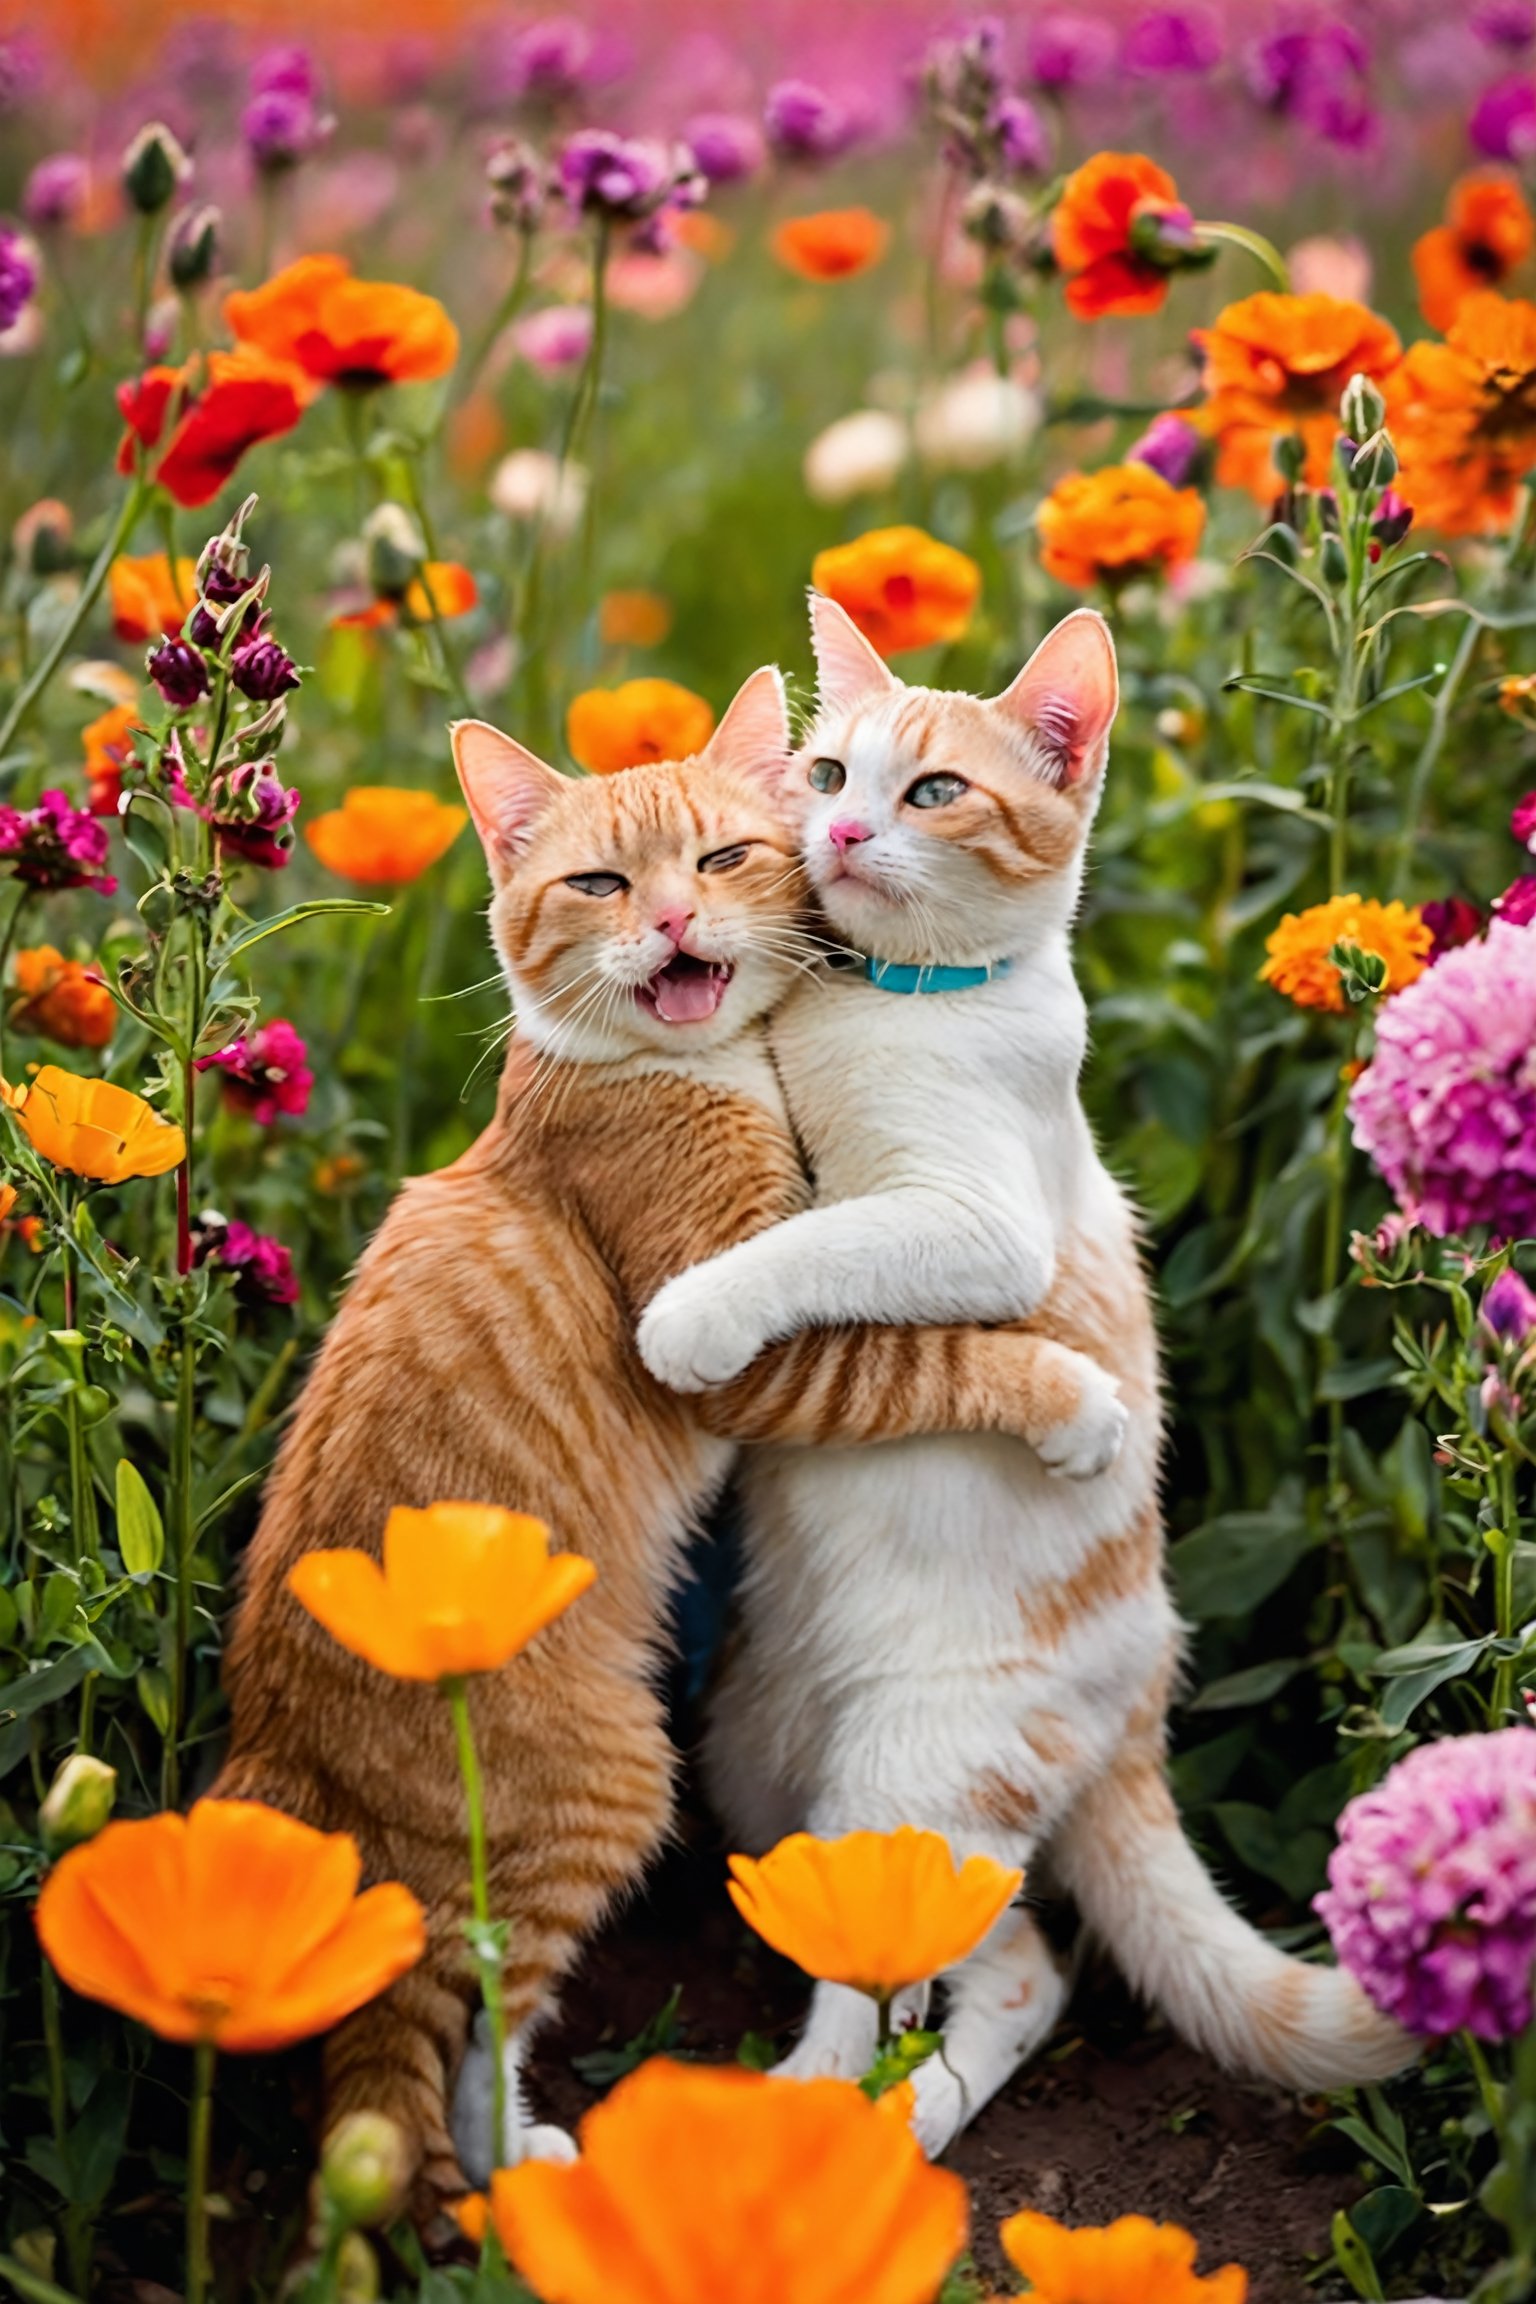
[
  {"x": 474, "y": 2117},
  {"x": 1004, "y": 2003}
]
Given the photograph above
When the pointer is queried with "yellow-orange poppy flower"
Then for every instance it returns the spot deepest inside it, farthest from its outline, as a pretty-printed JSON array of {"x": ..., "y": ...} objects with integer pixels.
[
  {"x": 833, "y": 244},
  {"x": 1298, "y": 963},
  {"x": 1094, "y": 234},
  {"x": 94, "y": 1128},
  {"x": 1110, "y": 526},
  {"x": 608, "y": 729},
  {"x": 877, "y": 1910},
  {"x": 453, "y": 593},
  {"x": 345, "y": 331},
  {"x": 729, "y": 2186},
  {"x": 65, "y": 1000},
  {"x": 1278, "y": 364},
  {"x": 462, "y": 1588},
  {"x": 902, "y": 587},
  {"x": 383, "y": 836},
  {"x": 234, "y": 1925},
  {"x": 1488, "y": 230},
  {"x": 635, "y": 619},
  {"x": 148, "y": 597},
  {"x": 1132, "y": 2261}
]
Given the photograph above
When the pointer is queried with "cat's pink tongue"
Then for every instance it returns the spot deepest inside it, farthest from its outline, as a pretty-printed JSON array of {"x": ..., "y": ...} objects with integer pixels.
[{"x": 688, "y": 997}]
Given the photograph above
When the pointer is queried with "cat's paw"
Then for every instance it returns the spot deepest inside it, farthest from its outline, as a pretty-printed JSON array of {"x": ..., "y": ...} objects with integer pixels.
[
  {"x": 691, "y": 1335},
  {"x": 1088, "y": 1441},
  {"x": 938, "y": 2108},
  {"x": 542, "y": 2141}
]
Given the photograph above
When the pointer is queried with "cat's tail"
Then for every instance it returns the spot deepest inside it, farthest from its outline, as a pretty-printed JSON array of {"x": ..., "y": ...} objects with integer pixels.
[{"x": 1145, "y": 1893}]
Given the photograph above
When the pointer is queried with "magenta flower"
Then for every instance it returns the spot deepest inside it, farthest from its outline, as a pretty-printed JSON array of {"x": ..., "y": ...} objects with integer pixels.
[
  {"x": 558, "y": 337},
  {"x": 1447, "y": 1105},
  {"x": 263, "y": 1267},
  {"x": 1431, "y": 1901},
  {"x": 264, "y": 1072},
  {"x": 1069, "y": 51},
  {"x": 727, "y": 146},
  {"x": 56, "y": 191},
  {"x": 180, "y": 673},
  {"x": 550, "y": 61},
  {"x": 1505, "y": 23},
  {"x": 1522, "y": 821},
  {"x": 1171, "y": 446},
  {"x": 1509, "y": 1309},
  {"x": 252, "y": 813},
  {"x": 263, "y": 670},
  {"x": 1503, "y": 122},
  {"x": 1392, "y": 521},
  {"x": 1023, "y": 143},
  {"x": 1517, "y": 905},
  {"x": 805, "y": 123},
  {"x": 1452, "y": 922},
  {"x": 56, "y": 845},
  {"x": 18, "y": 278},
  {"x": 626, "y": 178},
  {"x": 1173, "y": 40}
]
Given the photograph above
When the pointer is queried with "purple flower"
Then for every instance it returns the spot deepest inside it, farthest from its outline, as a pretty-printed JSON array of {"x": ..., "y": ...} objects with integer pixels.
[
  {"x": 727, "y": 146},
  {"x": 18, "y": 278},
  {"x": 1316, "y": 76},
  {"x": 264, "y": 1072},
  {"x": 1522, "y": 821},
  {"x": 56, "y": 191},
  {"x": 56, "y": 845},
  {"x": 1517, "y": 905},
  {"x": 1431, "y": 1901},
  {"x": 1392, "y": 519},
  {"x": 1509, "y": 1309},
  {"x": 1452, "y": 922},
  {"x": 550, "y": 60},
  {"x": 285, "y": 66},
  {"x": 1069, "y": 51},
  {"x": 1505, "y": 23},
  {"x": 263, "y": 1266},
  {"x": 805, "y": 123},
  {"x": 252, "y": 812},
  {"x": 625, "y": 178},
  {"x": 1503, "y": 123},
  {"x": 220, "y": 588},
  {"x": 281, "y": 127},
  {"x": 179, "y": 672},
  {"x": 558, "y": 337},
  {"x": 262, "y": 670},
  {"x": 1023, "y": 145},
  {"x": 1170, "y": 445},
  {"x": 1447, "y": 1106},
  {"x": 1173, "y": 40}
]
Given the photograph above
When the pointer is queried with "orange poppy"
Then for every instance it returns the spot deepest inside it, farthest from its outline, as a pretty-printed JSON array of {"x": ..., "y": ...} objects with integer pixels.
[
  {"x": 1110, "y": 526},
  {"x": 1463, "y": 416},
  {"x": 1100, "y": 229},
  {"x": 94, "y": 1128},
  {"x": 877, "y": 1910},
  {"x": 453, "y": 593},
  {"x": 1298, "y": 963},
  {"x": 202, "y": 418},
  {"x": 148, "y": 597},
  {"x": 462, "y": 1588},
  {"x": 1488, "y": 230},
  {"x": 108, "y": 745},
  {"x": 1132, "y": 2261},
  {"x": 902, "y": 587},
  {"x": 63, "y": 999},
  {"x": 634, "y": 619},
  {"x": 729, "y": 2185},
  {"x": 1278, "y": 364},
  {"x": 7, "y": 1201},
  {"x": 384, "y": 836},
  {"x": 608, "y": 729},
  {"x": 340, "y": 330},
  {"x": 833, "y": 244},
  {"x": 235, "y": 1926}
]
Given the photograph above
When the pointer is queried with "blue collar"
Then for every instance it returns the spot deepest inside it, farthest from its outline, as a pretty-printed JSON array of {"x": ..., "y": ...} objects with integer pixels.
[{"x": 901, "y": 976}]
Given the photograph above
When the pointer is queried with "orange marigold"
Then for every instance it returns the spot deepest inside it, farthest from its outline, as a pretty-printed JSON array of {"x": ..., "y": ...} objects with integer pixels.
[
  {"x": 148, "y": 596},
  {"x": 65, "y": 1000},
  {"x": 729, "y": 2185},
  {"x": 1132, "y": 2261},
  {"x": 383, "y": 836},
  {"x": 339, "y": 330},
  {"x": 108, "y": 743},
  {"x": 1298, "y": 963},
  {"x": 902, "y": 587},
  {"x": 1110, "y": 526},
  {"x": 833, "y": 244},
  {"x": 1488, "y": 231},
  {"x": 609, "y": 729},
  {"x": 1463, "y": 416},
  {"x": 1100, "y": 234},
  {"x": 190, "y": 426},
  {"x": 1278, "y": 364}
]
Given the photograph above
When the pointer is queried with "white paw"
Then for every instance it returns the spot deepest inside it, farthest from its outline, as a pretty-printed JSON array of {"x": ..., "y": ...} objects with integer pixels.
[
  {"x": 826, "y": 2059},
  {"x": 692, "y": 1336},
  {"x": 544, "y": 2142},
  {"x": 1089, "y": 1442},
  {"x": 938, "y": 2113}
]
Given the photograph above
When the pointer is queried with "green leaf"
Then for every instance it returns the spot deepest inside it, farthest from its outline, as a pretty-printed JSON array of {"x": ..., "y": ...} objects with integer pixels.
[
  {"x": 32, "y": 2285},
  {"x": 1255, "y": 1686},
  {"x": 1236, "y": 1560},
  {"x": 1354, "y": 2260},
  {"x": 140, "y": 1529},
  {"x": 659, "y": 2037},
  {"x": 1384, "y": 2217},
  {"x": 257, "y": 930},
  {"x": 756, "y": 2050}
]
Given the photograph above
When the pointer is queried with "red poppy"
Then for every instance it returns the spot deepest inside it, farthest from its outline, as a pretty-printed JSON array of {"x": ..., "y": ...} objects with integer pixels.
[{"x": 202, "y": 418}]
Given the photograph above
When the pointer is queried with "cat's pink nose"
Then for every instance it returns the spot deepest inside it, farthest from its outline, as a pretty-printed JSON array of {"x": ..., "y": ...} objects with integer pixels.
[
  {"x": 847, "y": 832},
  {"x": 674, "y": 924}
]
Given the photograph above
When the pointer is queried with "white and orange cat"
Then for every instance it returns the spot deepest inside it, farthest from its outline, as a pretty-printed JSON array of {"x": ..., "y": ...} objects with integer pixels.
[{"x": 936, "y": 1632}]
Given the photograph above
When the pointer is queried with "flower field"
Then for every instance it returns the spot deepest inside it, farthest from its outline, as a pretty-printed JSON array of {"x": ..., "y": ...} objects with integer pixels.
[{"x": 364, "y": 371}]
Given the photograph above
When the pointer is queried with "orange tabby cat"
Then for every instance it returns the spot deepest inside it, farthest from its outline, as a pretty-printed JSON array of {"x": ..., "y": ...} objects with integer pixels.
[{"x": 647, "y": 923}]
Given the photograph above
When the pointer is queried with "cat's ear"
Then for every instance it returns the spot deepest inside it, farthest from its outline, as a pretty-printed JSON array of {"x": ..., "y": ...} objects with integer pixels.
[
  {"x": 753, "y": 737},
  {"x": 1067, "y": 696},
  {"x": 508, "y": 788},
  {"x": 847, "y": 668}
]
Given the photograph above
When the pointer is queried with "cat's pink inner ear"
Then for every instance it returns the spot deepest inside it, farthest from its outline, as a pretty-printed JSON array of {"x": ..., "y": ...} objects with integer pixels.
[
  {"x": 1068, "y": 693},
  {"x": 507, "y": 787},
  {"x": 753, "y": 737},
  {"x": 847, "y": 667}
]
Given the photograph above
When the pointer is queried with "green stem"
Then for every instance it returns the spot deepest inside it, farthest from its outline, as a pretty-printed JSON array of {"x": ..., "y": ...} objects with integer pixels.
[
  {"x": 183, "y": 1540},
  {"x": 1337, "y": 1156},
  {"x": 30, "y": 690},
  {"x": 505, "y": 312},
  {"x": 1501, "y": 1702},
  {"x": 200, "y": 2122},
  {"x": 584, "y": 398},
  {"x": 1430, "y": 750},
  {"x": 485, "y": 1960},
  {"x": 1264, "y": 252},
  {"x": 77, "y": 2222},
  {"x": 446, "y": 653}
]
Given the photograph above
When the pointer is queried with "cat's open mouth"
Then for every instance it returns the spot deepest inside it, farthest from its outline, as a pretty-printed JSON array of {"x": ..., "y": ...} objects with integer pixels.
[{"x": 686, "y": 991}]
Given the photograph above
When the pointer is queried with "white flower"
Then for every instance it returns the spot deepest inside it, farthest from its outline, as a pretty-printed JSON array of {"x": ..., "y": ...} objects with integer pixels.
[
  {"x": 975, "y": 420},
  {"x": 528, "y": 485},
  {"x": 857, "y": 456}
]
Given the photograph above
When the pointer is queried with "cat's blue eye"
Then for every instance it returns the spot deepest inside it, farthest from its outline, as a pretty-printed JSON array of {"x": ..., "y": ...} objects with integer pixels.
[
  {"x": 936, "y": 791},
  {"x": 596, "y": 883},
  {"x": 724, "y": 859},
  {"x": 827, "y": 776}
]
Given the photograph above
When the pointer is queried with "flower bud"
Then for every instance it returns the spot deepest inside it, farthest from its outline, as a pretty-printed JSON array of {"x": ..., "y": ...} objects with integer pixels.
[
  {"x": 1281, "y": 539},
  {"x": 1290, "y": 455},
  {"x": 78, "y": 1804},
  {"x": 1393, "y": 519},
  {"x": 192, "y": 253},
  {"x": 517, "y": 184},
  {"x": 262, "y": 670},
  {"x": 1508, "y": 1310},
  {"x": 396, "y": 550},
  {"x": 1333, "y": 559},
  {"x": 365, "y": 2168},
  {"x": 179, "y": 672},
  {"x": 1362, "y": 410},
  {"x": 996, "y": 218},
  {"x": 43, "y": 537},
  {"x": 154, "y": 165},
  {"x": 357, "y": 2271}
]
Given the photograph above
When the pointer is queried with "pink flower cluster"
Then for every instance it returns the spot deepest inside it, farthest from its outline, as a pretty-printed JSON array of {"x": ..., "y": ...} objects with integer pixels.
[
  {"x": 56, "y": 845},
  {"x": 1431, "y": 1901},
  {"x": 1447, "y": 1106},
  {"x": 262, "y": 1266},
  {"x": 264, "y": 1072}
]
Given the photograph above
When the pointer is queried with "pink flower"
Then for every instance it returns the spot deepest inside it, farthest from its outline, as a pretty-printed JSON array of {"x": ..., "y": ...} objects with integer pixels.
[
  {"x": 252, "y": 812},
  {"x": 560, "y": 336},
  {"x": 262, "y": 1265},
  {"x": 1508, "y": 1310},
  {"x": 1517, "y": 905},
  {"x": 1431, "y": 1901},
  {"x": 264, "y": 1072},
  {"x": 56, "y": 845},
  {"x": 1522, "y": 821}
]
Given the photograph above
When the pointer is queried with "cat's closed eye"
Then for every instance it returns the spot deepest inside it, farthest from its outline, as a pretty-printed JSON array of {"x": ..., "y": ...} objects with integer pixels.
[
  {"x": 936, "y": 791},
  {"x": 596, "y": 883},
  {"x": 724, "y": 859},
  {"x": 827, "y": 776}
]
